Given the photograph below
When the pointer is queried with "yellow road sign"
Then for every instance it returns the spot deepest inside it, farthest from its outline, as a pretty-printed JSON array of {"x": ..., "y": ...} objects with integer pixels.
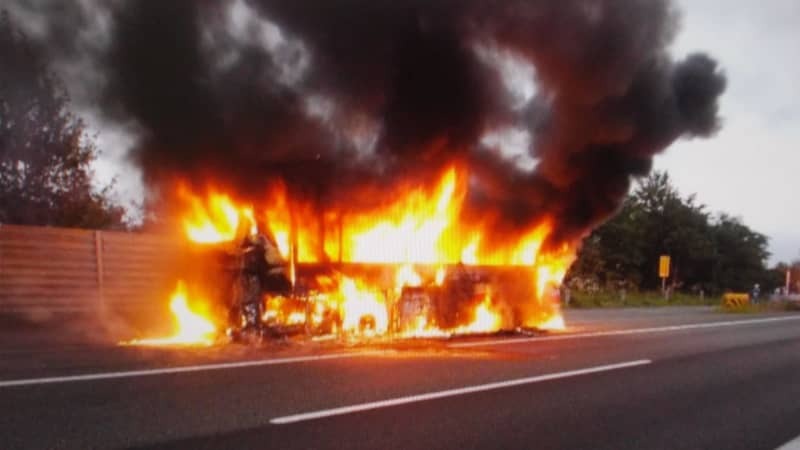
[
  {"x": 735, "y": 300},
  {"x": 663, "y": 266}
]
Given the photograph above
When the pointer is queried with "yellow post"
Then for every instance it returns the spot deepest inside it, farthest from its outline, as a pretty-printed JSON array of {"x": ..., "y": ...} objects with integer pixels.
[{"x": 663, "y": 272}]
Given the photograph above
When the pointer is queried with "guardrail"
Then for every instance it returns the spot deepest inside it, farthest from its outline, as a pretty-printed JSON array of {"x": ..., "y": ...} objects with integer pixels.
[{"x": 74, "y": 270}]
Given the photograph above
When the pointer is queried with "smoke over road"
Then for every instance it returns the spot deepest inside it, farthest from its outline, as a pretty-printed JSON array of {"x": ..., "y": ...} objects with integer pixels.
[{"x": 553, "y": 106}]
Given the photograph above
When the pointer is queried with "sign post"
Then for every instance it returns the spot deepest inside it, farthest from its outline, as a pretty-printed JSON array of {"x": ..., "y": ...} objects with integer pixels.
[{"x": 663, "y": 272}]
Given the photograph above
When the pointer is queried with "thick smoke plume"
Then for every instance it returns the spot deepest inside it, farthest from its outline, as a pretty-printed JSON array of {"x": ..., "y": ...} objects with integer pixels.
[{"x": 335, "y": 93}]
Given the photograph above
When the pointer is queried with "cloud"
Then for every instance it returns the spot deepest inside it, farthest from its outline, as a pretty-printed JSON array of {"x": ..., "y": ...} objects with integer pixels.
[{"x": 752, "y": 167}]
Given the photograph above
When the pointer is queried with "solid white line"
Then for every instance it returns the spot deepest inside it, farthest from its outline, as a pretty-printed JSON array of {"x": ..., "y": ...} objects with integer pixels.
[
  {"x": 450, "y": 393},
  {"x": 562, "y": 337},
  {"x": 171, "y": 370},
  {"x": 794, "y": 444}
]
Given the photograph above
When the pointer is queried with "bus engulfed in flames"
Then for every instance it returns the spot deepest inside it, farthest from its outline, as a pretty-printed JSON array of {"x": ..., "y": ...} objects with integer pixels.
[{"x": 406, "y": 264}]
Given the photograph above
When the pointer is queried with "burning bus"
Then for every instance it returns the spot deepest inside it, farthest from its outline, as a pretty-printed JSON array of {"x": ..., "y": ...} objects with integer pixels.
[{"x": 409, "y": 267}]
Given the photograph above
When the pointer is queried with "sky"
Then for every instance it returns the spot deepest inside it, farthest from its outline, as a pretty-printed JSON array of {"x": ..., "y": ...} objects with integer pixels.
[{"x": 749, "y": 169}]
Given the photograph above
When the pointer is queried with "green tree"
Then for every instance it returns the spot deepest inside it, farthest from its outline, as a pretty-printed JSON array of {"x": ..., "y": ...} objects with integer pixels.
[
  {"x": 613, "y": 255},
  {"x": 741, "y": 255},
  {"x": 671, "y": 225},
  {"x": 709, "y": 254},
  {"x": 45, "y": 152}
]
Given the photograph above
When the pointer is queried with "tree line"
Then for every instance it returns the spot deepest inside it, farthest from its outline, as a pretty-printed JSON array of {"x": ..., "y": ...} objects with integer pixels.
[{"x": 709, "y": 253}]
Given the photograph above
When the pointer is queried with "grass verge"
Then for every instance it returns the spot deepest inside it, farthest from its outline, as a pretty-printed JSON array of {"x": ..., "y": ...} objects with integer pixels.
[{"x": 637, "y": 299}]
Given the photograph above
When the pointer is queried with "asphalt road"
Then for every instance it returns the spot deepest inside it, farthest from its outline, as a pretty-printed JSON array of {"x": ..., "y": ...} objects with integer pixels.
[{"x": 649, "y": 378}]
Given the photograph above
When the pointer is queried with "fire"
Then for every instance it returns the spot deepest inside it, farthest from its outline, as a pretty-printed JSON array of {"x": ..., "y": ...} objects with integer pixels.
[
  {"x": 406, "y": 276},
  {"x": 363, "y": 311},
  {"x": 213, "y": 221},
  {"x": 413, "y": 229},
  {"x": 485, "y": 319},
  {"x": 441, "y": 272},
  {"x": 419, "y": 232},
  {"x": 418, "y": 226},
  {"x": 551, "y": 270},
  {"x": 193, "y": 328},
  {"x": 554, "y": 323},
  {"x": 296, "y": 318}
]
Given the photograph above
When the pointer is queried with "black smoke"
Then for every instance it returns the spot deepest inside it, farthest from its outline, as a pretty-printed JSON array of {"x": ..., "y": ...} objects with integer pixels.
[{"x": 339, "y": 93}]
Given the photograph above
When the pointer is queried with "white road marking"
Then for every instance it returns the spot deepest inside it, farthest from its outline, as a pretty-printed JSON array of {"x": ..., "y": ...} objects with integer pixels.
[
  {"x": 183, "y": 369},
  {"x": 299, "y": 359},
  {"x": 562, "y": 337},
  {"x": 794, "y": 444},
  {"x": 450, "y": 393}
]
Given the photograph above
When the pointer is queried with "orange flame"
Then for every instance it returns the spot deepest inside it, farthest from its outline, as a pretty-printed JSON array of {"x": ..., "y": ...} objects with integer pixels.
[
  {"x": 418, "y": 225},
  {"x": 485, "y": 319},
  {"x": 193, "y": 327},
  {"x": 406, "y": 276},
  {"x": 441, "y": 272},
  {"x": 554, "y": 323},
  {"x": 216, "y": 219},
  {"x": 363, "y": 310}
]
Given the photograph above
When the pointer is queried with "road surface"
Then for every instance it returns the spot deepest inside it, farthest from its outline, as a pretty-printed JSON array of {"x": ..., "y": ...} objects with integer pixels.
[{"x": 647, "y": 378}]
